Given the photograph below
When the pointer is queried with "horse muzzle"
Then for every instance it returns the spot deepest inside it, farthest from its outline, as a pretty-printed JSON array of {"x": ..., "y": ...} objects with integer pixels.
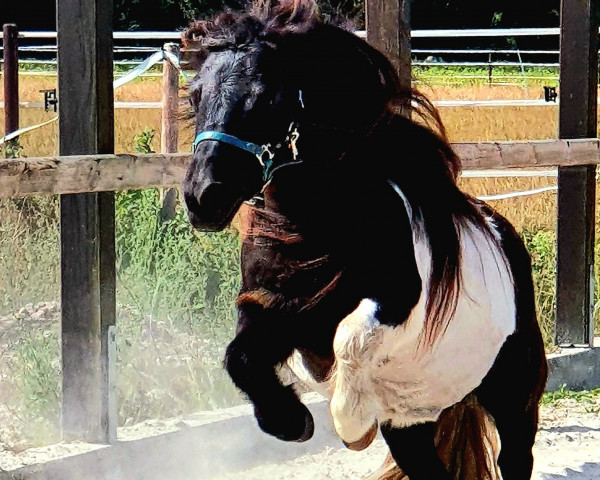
[{"x": 212, "y": 208}]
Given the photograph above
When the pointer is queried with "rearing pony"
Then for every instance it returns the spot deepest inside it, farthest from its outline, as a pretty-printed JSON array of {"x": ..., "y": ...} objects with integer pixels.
[{"x": 406, "y": 302}]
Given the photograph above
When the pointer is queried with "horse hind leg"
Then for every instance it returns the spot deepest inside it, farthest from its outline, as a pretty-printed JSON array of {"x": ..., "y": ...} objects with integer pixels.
[
  {"x": 466, "y": 443},
  {"x": 413, "y": 449}
]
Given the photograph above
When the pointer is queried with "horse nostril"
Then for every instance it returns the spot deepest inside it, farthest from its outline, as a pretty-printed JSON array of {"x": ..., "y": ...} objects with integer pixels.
[
  {"x": 207, "y": 203},
  {"x": 212, "y": 195}
]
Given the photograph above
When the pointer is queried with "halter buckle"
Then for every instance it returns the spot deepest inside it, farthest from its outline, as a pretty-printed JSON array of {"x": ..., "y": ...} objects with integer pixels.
[{"x": 266, "y": 149}]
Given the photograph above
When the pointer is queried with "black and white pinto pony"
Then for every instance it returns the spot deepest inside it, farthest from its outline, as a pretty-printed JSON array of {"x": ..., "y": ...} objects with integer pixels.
[{"x": 408, "y": 303}]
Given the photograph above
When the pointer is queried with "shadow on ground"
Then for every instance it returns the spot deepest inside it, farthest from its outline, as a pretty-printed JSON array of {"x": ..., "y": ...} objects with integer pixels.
[{"x": 588, "y": 471}]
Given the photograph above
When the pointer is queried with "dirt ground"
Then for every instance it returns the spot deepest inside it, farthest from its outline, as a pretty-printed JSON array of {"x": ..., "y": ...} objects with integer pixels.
[{"x": 567, "y": 447}]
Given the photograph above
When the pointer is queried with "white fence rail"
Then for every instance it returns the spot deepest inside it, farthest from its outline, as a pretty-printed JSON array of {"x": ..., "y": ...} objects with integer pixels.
[
  {"x": 440, "y": 33},
  {"x": 444, "y": 33}
]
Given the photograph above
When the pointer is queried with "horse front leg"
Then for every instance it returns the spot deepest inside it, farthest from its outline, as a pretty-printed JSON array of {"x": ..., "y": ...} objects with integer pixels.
[{"x": 251, "y": 359}]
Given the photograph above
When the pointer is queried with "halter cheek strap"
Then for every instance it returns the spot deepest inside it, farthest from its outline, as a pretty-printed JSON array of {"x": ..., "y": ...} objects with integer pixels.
[
  {"x": 261, "y": 152},
  {"x": 257, "y": 150}
]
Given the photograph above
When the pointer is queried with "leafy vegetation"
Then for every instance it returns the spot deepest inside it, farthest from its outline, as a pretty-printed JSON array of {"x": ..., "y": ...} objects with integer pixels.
[
  {"x": 589, "y": 397},
  {"x": 170, "y": 14},
  {"x": 11, "y": 148}
]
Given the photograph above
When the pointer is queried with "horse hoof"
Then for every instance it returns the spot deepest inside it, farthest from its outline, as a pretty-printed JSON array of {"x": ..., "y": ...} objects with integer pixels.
[
  {"x": 309, "y": 428},
  {"x": 365, "y": 441},
  {"x": 296, "y": 425}
]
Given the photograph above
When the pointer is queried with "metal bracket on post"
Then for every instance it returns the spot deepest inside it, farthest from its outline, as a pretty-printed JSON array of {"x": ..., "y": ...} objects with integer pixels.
[
  {"x": 550, "y": 94},
  {"x": 50, "y": 99}
]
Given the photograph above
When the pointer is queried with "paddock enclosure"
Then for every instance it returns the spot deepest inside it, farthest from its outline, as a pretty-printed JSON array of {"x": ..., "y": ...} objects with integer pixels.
[{"x": 87, "y": 173}]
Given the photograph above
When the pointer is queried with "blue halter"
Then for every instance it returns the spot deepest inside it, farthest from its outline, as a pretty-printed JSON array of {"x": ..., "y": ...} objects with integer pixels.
[
  {"x": 261, "y": 152},
  {"x": 253, "y": 148}
]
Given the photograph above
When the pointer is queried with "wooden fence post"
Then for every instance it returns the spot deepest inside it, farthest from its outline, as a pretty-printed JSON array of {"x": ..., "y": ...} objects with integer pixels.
[
  {"x": 388, "y": 30},
  {"x": 11, "y": 78},
  {"x": 86, "y": 125},
  {"x": 576, "y": 185},
  {"x": 170, "y": 126}
]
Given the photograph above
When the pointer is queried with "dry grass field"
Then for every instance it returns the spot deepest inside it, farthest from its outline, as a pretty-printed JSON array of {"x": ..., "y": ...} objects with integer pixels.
[{"x": 462, "y": 124}]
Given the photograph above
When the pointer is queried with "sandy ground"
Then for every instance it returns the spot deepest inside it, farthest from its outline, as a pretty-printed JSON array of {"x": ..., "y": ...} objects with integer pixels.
[{"x": 567, "y": 447}]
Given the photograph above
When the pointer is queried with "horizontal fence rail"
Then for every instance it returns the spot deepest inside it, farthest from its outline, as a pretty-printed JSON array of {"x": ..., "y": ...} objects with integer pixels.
[
  {"x": 124, "y": 49},
  {"x": 437, "y": 103},
  {"x": 439, "y": 33},
  {"x": 97, "y": 173}
]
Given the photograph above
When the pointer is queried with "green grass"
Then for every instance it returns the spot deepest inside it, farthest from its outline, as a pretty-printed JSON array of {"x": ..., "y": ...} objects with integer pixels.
[
  {"x": 471, "y": 76},
  {"x": 176, "y": 312},
  {"x": 458, "y": 73},
  {"x": 542, "y": 248},
  {"x": 589, "y": 398}
]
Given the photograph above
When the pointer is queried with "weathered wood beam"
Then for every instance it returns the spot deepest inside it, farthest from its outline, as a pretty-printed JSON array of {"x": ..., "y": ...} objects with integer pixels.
[
  {"x": 87, "y": 222},
  {"x": 169, "y": 139},
  {"x": 576, "y": 184},
  {"x": 90, "y": 173},
  {"x": 11, "y": 77},
  {"x": 388, "y": 30},
  {"x": 541, "y": 153},
  {"x": 100, "y": 173}
]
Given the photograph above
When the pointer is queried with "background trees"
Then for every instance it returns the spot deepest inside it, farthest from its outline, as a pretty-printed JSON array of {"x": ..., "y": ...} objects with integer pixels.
[{"x": 168, "y": 14}]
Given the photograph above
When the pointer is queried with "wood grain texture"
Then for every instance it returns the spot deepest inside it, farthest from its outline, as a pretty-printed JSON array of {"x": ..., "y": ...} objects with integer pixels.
[
  {"x": 576, "y": 184},
  {"x": 10, "y": 76},
  {"x": 90, "y": 173},
  {"x": 170, "y": 127},
  {"x": 87, "y": 220},
  {"x": 99, "y": 173},
  {"x": 388, "y": 30}
]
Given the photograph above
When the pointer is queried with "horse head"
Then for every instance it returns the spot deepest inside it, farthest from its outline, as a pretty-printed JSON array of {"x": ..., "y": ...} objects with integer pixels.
[{"x": 274, "y": 87}]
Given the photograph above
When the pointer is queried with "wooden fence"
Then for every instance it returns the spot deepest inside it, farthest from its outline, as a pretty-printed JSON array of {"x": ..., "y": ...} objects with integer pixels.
[
  {"x": 87, "y": 172},
  {"x": 105, "y": 173}
]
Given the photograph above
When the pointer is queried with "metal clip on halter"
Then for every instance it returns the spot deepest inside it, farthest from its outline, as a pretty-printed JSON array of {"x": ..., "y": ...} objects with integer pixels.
[
  {"x": 293, "y": 138},
  {"x": 266, "y": 149}
]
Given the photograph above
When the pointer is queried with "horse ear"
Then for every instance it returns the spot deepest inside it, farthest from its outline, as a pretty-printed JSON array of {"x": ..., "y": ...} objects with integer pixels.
[
  {"x": 193, "y": 52},
  {"x": 194, "y": 34},
  {"x": 287, "y": 14}
]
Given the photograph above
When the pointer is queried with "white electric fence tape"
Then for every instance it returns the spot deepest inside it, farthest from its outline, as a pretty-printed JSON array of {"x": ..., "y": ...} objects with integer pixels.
[
  {"x": 504, "y": 196},
  {"x": 133, "y": 74}
]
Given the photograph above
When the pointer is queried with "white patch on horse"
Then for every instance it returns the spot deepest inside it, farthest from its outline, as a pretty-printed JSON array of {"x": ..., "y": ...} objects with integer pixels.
[{"x": 383, "y": 373}]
